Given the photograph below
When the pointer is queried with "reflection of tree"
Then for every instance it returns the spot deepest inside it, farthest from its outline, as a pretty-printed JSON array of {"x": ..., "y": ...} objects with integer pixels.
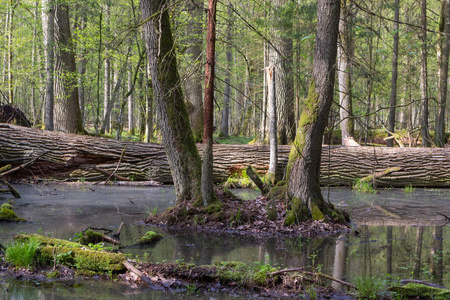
[
  {"x": 418, "y": 253},
  {"x": 437, "y": 266},
  {"x": 339, "y": 261},
  {"x": 389, "y": 250}
]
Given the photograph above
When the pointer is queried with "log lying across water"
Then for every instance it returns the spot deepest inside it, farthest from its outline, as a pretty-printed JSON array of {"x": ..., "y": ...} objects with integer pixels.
[{"x": 77, "y": 156}]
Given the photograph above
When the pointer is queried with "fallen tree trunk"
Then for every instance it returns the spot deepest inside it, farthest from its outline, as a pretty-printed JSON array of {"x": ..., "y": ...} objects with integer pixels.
[{"x": 71, "y": 156}]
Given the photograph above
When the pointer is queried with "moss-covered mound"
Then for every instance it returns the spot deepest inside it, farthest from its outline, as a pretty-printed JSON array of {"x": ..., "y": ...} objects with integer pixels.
[
  {"x": 74, "y": 255},
  {"x": 421, "y": 291},
  {"x": 149, "y": 237},
  {"x": 7, "y": 214}
]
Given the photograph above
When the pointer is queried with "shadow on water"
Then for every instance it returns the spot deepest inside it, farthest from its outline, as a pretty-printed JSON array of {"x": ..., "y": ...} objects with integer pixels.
[{"x": 396, "y": 235}]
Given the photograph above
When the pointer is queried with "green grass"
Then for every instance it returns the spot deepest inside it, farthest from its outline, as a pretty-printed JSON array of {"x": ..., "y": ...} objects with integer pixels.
[
  {"x": 22, "y": 253},
  {"x": 409, "y": 189},
  {"x": 369, "y": 287},
  {"x": 364, "y": 187}
]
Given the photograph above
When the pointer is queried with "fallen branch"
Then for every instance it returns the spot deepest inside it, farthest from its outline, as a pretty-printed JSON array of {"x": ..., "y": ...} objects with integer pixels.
[
  {"x": 141, "y": 275},
  {"x": 111, "y": 174},
  {"x": 13, "y": 191},
  {"x": 300, "y": 270},
  {"x": 378, "y": 175},
  {"x": 258, "y": 182},
  {"x": 118, "y": 164},
  {"x": 22, "y": 166}
]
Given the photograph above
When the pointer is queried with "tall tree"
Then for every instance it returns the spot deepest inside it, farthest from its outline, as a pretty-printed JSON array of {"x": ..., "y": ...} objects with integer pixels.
[
  {"x": 178, "y": 140},
  {"x": 393, "y": 97},
  {"x": 303, "y": 168},
  {"x": 424, "y": 75},
  {"x": 193, "y": 85},
  {"x": 272, "y": 103},
  {"x": 443, "y": 48},
  {"x": 49, "y": 30},
  {"x": 207, "y": 155},
  {"x": 67, "y": 116},
  {"x": 227, "y": 91},
  {"x": 344, "y": 71}
]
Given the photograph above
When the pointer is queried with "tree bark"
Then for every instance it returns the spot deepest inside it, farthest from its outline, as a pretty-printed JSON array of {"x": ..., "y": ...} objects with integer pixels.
[
  {"x": 226, "y": 94},
  {"x": 443, "y": 48},
  {"x": 193, "y": 86},
  {"x": 207, "y": 151},
  {"x": 67, "y": 111},
  {"x": 393, "y": 97},
  {"x": 345, "y": 73},
  {"x": 273, "y": 142},
  {"x": 49, "y": 22},
  {"x": 74, "y": 156},
  {"x": 183, "y": 156},
  {"x": 424, "y": 76},
  {"x": 303, "y": 169}
]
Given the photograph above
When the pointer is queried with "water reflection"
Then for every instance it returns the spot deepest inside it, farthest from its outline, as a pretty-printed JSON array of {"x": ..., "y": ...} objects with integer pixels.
[{"x": 396, "y": 235}]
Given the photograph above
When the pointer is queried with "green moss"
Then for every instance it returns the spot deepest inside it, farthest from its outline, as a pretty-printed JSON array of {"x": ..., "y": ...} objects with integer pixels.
[
  {"x": 214, "y": 207},
  {"x": 7, "y": 206},
  {"x": 8, "y": 215},
  {"x": 316, "y": 212},
  {"x": 244, "y": 274},
  {"x": 45, "y": 240},
  {"x": 421, "y": 291},
  {"x": 84, "y": 259},
  {"x": 149, "y": 237},
  {"x": 298, "y": 213},
  {"x": 91, "y": 237}
]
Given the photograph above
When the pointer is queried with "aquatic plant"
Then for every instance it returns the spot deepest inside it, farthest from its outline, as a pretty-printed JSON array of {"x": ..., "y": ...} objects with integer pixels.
[
  {"x": 22, "y": 253},
  {"x": 369, "y": 287},
  {"x": 364, "y": 187},
  {"x": 311, "y": 291},
  {"x": 409, "y": 189}
]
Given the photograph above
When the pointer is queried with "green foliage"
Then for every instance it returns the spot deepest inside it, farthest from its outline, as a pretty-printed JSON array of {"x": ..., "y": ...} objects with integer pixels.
[
  {"x": 233, "y": 140},
  {"x": 22, "y": 253},
  {"x": 369, "y": 287},
  {"x": 239, "y": 180},
  {"x": 311, "y": 291}
]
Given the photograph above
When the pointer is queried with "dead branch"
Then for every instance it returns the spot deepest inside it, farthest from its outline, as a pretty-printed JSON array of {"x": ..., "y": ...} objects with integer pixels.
[
  {"x": 300, "y": 270},
  {"x": 258, "y": 182},
  {"x": 378, "y": 175},
  {"x": 22, "y": 166},
  {"x": 141, "y": 275},
  {"x": 118, "y": 164},
  {"x": 111, "y": 174},
  {"x": 13, "y": 191}
]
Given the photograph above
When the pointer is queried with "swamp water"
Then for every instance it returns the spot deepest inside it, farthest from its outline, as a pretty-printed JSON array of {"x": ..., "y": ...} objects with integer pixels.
[{"x": 397, "y": 235}]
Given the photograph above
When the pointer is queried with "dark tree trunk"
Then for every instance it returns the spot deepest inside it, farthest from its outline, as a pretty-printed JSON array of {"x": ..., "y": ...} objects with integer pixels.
[
  {"x": 393, "y": 97},
  {"x": 207, "y": 153},
  {"x": 304, "y": 161},
  {"x": 442, "y": 58},
  {"x": 49, "y": 28},
  {"x": 424, "y": 76},
  {"x": 67, "y": 116},
  {"x": 224, "y": 128},
  {"x": 182, "y": 154}
]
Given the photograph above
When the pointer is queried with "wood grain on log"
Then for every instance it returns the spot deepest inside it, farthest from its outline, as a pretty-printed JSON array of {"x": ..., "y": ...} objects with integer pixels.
[{"x": 77, "y": 156}]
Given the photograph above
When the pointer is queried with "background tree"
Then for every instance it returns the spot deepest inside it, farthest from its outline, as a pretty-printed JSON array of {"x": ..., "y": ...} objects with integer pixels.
[{"x": 393, "y": 97}]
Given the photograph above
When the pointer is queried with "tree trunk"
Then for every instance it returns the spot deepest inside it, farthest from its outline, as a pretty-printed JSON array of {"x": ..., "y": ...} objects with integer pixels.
[
  {"x": 207, "y": 151},
  {"x": 345, "y": 73},
  {"x": 271, "y": 95},
  {"x": 226, "y": 94},
  {"x": 424, "y": 76},
  {"x": 442, "y": 72},
  {"x": 49, "y": 27},
  {"x": 67, "y": 116},
  {"x": 304, "y": 160},
  {"x": 193, "y": 86},
  {"x": 107, "y": 79},
  {"x": 75, "y": 156},
  {"x": 393, "y": 97},
  {"x": 183, "y": 157}
]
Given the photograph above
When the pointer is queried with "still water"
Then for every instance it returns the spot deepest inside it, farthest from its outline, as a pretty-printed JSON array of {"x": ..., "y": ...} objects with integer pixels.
[{"x": 395, "y": 235}]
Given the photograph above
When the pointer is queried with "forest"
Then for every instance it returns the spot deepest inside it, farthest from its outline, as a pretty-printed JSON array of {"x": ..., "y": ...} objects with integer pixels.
[{"x": 391, "y": 75}]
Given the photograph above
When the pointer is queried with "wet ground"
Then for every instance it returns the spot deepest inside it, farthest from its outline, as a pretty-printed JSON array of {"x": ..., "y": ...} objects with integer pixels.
[{"x": 396, "y": 235}]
